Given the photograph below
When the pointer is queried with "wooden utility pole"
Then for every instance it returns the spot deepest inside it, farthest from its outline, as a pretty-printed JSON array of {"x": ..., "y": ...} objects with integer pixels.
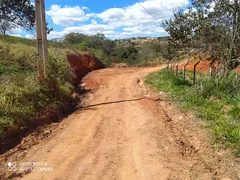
[{"x": 41, "y": 29}]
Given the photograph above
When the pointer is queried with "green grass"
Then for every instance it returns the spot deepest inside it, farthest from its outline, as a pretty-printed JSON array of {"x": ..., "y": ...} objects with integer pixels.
[
  {"x": 17, "y": 40},
  {"x": 22, "y": 97},
  {"x": 216, "y": 101}
]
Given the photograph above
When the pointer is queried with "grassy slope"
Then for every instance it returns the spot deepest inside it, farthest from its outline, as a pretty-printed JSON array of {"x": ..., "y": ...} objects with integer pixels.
[
  {"x": 22, "y": 98},
  {"x": 20, "y": 55},
  {"x": 217, "y": 103}
]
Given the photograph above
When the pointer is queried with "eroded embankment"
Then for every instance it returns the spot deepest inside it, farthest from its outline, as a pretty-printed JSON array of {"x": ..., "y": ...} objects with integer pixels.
[{"x": 81, "y": 65}]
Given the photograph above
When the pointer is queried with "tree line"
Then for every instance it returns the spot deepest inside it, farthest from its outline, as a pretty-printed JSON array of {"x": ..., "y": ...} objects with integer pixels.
[{"x": 119, "y": 51}]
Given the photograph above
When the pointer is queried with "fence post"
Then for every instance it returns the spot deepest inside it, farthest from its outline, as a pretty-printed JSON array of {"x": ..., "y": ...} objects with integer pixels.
[
  {"x": 211, "y": 65},
  {"x": 194, "y": 72},
  {"x": 184, "y": 70},
  {"x": 176, "y": 70},
  {"x": 168, "y": 65}
]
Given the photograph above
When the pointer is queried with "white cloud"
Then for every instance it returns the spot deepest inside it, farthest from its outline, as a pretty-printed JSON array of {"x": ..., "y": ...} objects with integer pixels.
[
  {"x": 122, "y": 22},
  {"x": 132, "y": 28},
  {"x": 135, "y": 15},
  {"x": 66, "y": 16},
  {"x": 89, "y": 29},
  {"x": 56, "y": 34},
  {"x": 112, "y": 14},
  {"x": 85, "y": 8},
  {"x": 94, "y": 21},
  {"x": 110, "y": 32},
  {"x": 16, "y": 30},
  {"x": 159, "y": 30},
  {"x": 30, "y": 36},
  {"x": 16, "y": 35}
]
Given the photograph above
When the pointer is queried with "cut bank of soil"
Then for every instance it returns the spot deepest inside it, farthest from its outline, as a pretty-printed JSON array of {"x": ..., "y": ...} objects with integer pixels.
[
  {"x": 81, "y": 65},
  {"x": 123, "y": 130}
]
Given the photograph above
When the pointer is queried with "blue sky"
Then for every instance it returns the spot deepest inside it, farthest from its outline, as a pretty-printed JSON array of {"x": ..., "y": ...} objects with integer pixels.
[{"x": 116, "y": 19}]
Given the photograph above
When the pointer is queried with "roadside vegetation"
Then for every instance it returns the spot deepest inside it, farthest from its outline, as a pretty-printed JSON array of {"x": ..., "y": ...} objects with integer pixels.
[
  {"x": 214, "y": 100},
  {"x": 22, "y": 96},
  {"x": 206, "y": 27}
]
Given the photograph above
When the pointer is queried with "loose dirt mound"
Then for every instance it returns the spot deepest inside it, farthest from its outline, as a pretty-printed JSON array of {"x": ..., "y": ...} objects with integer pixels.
[{"x": 82, "y": 65}]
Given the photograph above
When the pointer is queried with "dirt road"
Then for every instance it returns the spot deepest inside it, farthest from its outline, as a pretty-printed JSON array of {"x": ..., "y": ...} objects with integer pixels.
[{"x": 125, "y": 131}]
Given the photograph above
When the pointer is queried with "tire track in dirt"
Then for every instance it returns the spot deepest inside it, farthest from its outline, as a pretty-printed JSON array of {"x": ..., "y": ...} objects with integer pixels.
[{"x": 125, "y": 131}]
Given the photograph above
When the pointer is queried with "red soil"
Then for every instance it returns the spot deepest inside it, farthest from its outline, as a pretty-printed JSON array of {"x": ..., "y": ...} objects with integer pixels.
[
  {"x": 202, "y": 67},
  {"x": 82, "y": 65},
  {"x": 237, "y": 70}
]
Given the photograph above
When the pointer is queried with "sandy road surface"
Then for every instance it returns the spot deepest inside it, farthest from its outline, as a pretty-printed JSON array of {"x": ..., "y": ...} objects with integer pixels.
[{"x": 123, "y": 131}]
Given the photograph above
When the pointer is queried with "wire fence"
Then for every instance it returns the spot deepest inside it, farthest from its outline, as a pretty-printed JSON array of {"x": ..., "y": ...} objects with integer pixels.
[{"x": 194, "y": 76}]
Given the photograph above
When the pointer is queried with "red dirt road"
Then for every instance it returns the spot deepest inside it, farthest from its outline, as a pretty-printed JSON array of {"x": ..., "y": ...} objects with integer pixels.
[{"x": 124, "y": 131}]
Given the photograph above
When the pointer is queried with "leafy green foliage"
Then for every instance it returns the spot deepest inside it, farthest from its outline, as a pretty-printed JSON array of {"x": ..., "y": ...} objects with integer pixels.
[
  {"x": 19, "y": 12},
  {"x": 127, "y": 53},
  {"x": 211, "y": 27},
  {"x": 217, "y": 102},
  {"x": 118, "y": 51}
]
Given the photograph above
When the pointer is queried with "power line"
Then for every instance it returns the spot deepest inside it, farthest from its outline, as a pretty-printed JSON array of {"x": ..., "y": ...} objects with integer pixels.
[{"x": 148, "y": 11}]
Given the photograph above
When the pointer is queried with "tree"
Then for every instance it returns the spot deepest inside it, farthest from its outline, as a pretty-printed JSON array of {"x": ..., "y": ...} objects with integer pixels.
[
  {"x": 5, "y": 26},
  {"x": 181, "y": 30},
  {"x": 126, "y": 53},
  {"x": 96, "y": 41},
  {"x": 75, "y": 38},
  {"x": 19, "y": 12},
  {"x": 208, "y": 26}
]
